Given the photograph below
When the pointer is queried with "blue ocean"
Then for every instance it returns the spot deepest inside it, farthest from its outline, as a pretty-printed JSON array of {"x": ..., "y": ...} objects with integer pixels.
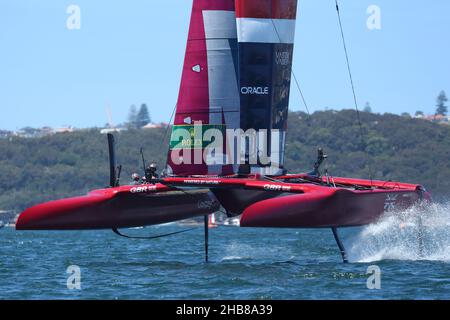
[{"x": 244, "y": 263}]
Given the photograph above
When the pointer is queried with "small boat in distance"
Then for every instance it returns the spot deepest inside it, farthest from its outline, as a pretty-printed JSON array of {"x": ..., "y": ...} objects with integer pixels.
[{"x": 232, "y": 222}]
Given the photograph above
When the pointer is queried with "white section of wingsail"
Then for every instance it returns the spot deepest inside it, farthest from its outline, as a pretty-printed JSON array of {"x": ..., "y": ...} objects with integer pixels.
[
  {"x": 220, "y": 24},
  {"x": 223, "y": 85},
  {"x": 257, "y": 30},
  {"x": 221, "y": 43}
]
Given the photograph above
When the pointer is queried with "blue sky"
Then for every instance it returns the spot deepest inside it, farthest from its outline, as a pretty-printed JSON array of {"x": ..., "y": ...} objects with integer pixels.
[{"x": 131, "y": 52}]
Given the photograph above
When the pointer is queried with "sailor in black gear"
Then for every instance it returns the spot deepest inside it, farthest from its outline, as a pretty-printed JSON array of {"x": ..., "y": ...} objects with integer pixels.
[{"x": 150, "y": 172}]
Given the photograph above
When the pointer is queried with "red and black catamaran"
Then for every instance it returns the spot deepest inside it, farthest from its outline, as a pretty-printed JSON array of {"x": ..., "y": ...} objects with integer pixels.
[{"x": 235, "y": 86}]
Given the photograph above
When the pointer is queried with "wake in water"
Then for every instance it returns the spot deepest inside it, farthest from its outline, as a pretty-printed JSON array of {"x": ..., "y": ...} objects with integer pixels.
[
  {"x": 237, "y": 251},
  {"x": 419, "y": 233}
]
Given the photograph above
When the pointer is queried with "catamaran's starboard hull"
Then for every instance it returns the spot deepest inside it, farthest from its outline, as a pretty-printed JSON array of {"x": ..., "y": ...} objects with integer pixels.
[
  {"x": 121, "y": 207},
  {"x": 327, "y": 208}
]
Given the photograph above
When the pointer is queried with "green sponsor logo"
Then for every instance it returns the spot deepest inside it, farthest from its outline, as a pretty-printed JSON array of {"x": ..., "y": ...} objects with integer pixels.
[{"x": 191, "y": 136}]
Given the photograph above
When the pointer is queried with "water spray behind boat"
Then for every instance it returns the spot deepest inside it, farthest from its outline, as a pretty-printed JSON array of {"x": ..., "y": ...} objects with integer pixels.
[{"x": 403, "y": 236}]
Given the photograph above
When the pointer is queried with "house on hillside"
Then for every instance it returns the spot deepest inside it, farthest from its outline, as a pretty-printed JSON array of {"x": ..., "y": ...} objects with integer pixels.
[
  {"x": 4, "y": 134},
  {"x": 155, "y": 125},
  {"x": 64, "y": 130},
  {"x": 112, "y": 130},
  {"x": 440, "y": 119}
]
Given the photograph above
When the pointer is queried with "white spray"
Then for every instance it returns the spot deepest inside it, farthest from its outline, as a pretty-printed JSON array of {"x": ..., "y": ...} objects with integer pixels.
[{"x": 419, "y": 233}]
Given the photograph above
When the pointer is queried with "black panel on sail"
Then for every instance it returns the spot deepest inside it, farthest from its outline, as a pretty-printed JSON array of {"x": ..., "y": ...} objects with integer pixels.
[{"x": 266, "y": 30}]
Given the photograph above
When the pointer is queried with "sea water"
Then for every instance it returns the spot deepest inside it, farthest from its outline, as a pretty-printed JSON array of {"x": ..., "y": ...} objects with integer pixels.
[{"x": 413, "y": 257}]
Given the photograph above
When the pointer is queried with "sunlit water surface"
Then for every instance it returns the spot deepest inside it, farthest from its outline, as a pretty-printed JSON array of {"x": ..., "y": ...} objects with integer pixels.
[{"x": 413, "y": 256}]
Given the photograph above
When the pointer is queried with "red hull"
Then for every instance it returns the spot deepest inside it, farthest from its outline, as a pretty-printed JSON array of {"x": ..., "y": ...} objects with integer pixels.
[
  {"x": 326, "y": 208},
  {"x": 290, "y": 202},
  {"x": 307, "y": 204},
  {"x": 121, "y": 207}
]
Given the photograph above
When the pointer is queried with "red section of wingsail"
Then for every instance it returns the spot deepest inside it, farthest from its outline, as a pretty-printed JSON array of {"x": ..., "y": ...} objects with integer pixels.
[
  {"x": 226, "y": 5},
  {"x": 185, "y": 169},
  {"x": 193, "y": 99},
  {"x": 266, "y": 9}
]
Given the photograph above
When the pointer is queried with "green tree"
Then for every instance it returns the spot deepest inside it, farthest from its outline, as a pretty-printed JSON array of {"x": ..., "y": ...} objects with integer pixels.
[
  {"x": 419, "y": 113},
  {"x": 132, "y": 116},
  {"x": 367, "y": 108},
  {"x": 406, "y": 115},
  {"x": 143, "y": 117},
  {"x": 441, "y": 108}
]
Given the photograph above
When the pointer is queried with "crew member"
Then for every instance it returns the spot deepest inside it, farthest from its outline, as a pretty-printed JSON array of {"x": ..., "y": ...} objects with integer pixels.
[
  {"x": 150, "y": 172},
  {"x": 135, "y": 179}
]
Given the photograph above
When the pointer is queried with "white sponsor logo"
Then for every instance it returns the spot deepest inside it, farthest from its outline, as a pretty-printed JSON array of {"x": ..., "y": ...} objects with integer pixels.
[
  {"x": 282, "y": 58},
  {"x": 206, "y": 204},
  {"x": 197, "y": 68},
  {"x": 255, "y": 90},
  {"x": 374, "y": 280},
  {"x": 276, "y": 187},
  {"x": 389, "y": 203},
  {"x": 201, "y": 181},
  {"x": 187, "y": 120},
  {"x": 74, "y": 280},
  {"x": 73, "y": 22},
  {"x": 143, "y": 189}
]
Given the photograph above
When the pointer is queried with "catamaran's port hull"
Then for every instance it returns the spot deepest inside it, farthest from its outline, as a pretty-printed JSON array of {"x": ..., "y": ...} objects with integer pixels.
[{"x": 121, "y": 207}]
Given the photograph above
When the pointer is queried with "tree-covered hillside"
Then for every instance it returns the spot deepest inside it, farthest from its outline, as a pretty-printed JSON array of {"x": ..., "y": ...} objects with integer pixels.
[{"x": 398, "y": 148}]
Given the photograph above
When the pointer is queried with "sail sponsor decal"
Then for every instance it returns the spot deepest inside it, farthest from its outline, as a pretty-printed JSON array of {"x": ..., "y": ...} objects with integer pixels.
[
  {"x": 204, "y": 144},
  {"x": 192, "y": 136},
  {"x": 255, "y": 90},
  {"x": 197, "y": 68},
  {"x": 283, "y": 58}
]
